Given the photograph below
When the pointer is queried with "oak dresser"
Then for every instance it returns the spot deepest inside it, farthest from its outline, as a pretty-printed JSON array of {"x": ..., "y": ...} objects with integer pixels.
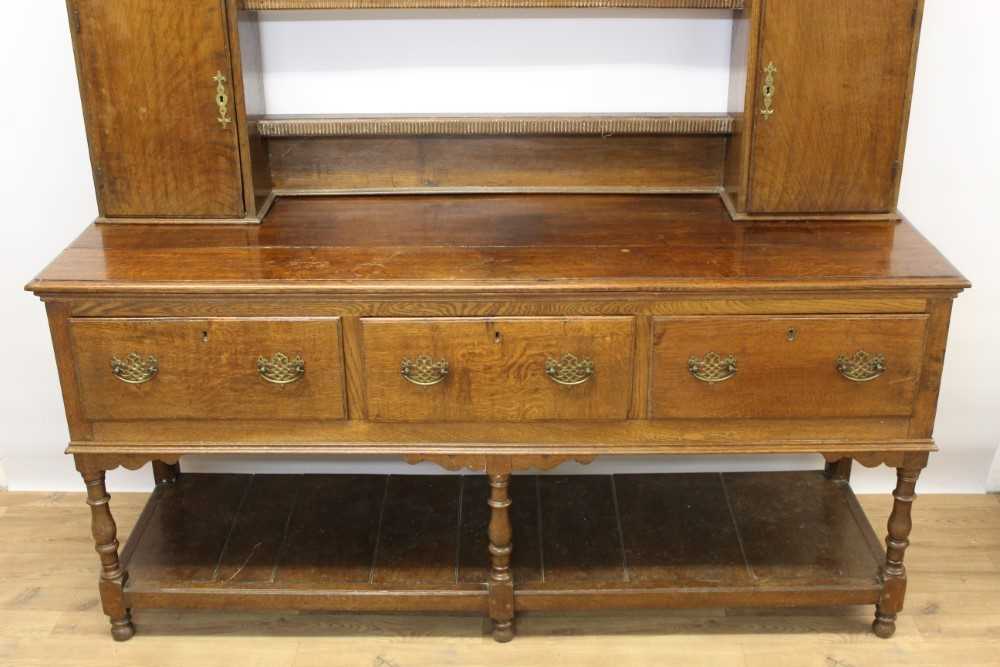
[{"x": 499, "y": 295}]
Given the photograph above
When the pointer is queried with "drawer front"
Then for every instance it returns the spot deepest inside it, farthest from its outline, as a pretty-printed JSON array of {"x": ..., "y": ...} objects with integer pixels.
[
  {"x": 210, "y": 369},
  {"x": 745, "y": 367},
  {"x": 508, "y": 369}
]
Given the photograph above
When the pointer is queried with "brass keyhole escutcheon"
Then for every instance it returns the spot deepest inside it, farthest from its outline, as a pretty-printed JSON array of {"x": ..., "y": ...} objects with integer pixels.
[
  {"x": 768, "y": 89},
  {"x": 792, "y": 334},
  {"x": 222, "y": 100}
]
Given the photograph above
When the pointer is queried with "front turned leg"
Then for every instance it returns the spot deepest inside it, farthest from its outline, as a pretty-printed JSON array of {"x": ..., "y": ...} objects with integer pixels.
[
  {"x": 900, "y": 523},
  {"x": 105, "y": 533},
  {"x": 501, "y": 586}
]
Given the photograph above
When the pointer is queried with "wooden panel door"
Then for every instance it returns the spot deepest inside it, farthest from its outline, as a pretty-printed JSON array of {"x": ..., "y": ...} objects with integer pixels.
[
  {"x": 840, "y": 103},
  {"x": 149, "y": 81}
]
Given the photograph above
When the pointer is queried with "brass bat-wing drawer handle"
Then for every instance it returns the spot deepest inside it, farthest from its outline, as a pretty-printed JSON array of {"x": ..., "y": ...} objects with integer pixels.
[
  {"x": 135, "y": 369},
  {"x": 280, "y": 369},
  {"x": 424, "y": 371},
  {"x": 568, "y": 370},
  {"x": 862, "y": 367},
  {"x": 713, "y": 367}
]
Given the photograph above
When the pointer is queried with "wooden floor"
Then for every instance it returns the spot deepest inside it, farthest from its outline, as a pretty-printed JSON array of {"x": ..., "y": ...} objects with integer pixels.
[{"x": 50, "y": 614}]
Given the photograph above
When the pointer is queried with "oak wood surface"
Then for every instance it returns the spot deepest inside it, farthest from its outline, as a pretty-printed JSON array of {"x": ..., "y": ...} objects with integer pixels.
[
  {"x": 146, "y": 73},
  {"x": 497, "y": 368},
  {"x": 208, "y": 368},
  {"x": 48, "y": 611},
  {"x": 603, "y": 125},
  {"x": 537, "y": 243},
  {"x": 445, "y": 163},
  {"x": 593, "y": 537},
  {"x": 786, "y": 367},
  {"x": 842, "y": 87}
]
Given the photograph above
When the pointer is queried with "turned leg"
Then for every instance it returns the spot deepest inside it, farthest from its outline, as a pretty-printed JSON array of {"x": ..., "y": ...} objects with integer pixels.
[
  {"x": 105, "y": 533},
  {"x": 165, "y": 473},
  {"x": 839, "y": 470},
  {"x": 900, "y": 524},
  {"x": 501, "y": 585}
]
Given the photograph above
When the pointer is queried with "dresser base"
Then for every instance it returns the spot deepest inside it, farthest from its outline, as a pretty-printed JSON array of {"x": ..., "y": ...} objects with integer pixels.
[{"x": 420, "y": 543}]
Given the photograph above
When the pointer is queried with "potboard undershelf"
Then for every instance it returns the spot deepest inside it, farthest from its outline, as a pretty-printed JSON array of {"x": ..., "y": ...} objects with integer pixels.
[{"x": 358, "y": 542}]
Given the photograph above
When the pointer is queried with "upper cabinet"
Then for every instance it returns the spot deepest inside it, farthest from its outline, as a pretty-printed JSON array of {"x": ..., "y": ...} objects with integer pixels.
[
  {"x": 173, "y": 98},
  {"x": 157, "y": 84},
  {"x": 825, "y": 107}
]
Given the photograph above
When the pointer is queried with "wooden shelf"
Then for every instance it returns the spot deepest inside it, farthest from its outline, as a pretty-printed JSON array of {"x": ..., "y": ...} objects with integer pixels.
[
  {"x": 267, "y": 5},
  {"x": 510, "y": 125},
  {"x": 420, "y": 542}
]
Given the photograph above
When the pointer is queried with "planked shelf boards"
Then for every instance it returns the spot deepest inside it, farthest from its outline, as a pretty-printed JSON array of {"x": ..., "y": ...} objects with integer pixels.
[{"x": 623, "y": 541}]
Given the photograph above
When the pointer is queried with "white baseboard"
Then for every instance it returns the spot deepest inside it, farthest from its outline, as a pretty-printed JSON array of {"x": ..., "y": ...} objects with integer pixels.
[{"x": 993, "y": 482}]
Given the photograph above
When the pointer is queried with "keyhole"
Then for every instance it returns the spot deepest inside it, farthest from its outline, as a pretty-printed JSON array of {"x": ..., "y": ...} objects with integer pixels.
[
  {"x": 204, "y": 336},
  {"x": 792, "y": 335},
  {"x": 497, "y": 337}
]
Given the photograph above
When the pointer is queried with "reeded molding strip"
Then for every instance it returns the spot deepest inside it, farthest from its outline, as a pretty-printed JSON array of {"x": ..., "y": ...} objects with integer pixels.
[
  {"x": 416, "y": 126},
  {"x": 265, "y": 5}
]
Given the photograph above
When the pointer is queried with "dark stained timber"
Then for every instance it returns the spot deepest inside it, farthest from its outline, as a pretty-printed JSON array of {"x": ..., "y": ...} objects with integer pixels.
[{"x": 417, "y": 542}]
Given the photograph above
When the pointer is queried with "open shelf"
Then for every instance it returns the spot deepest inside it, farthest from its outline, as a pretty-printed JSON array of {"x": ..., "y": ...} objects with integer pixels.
[
  {"x": 506, "y": 125},
  {"x": 353, "y": 542},
  {"x": 266, "y": 5}
]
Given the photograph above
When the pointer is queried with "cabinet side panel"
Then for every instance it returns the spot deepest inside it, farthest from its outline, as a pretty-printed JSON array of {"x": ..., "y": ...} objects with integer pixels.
[
  {"x": 742, "y": 79},
  {"x": 248, "y": 76}
]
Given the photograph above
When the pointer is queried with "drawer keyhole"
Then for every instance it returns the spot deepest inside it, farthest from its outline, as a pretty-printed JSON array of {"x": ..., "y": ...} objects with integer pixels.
[
  {"x": 792, "y": 335},
  {"x": 497, "y": 337},
  {"x": 204, "y": 336}
]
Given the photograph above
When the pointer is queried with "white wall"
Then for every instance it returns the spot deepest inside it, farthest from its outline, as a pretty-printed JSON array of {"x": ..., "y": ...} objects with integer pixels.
[
  {"x": 399, "y": 62},
  {"x": 496, "y": 61}
]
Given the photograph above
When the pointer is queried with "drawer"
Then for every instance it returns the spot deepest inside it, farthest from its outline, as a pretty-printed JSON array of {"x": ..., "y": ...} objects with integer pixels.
[
  {"x": 209, "y": 369},
  {"x": 508, "y": 369},
  {"x": 705, "y": 367}
]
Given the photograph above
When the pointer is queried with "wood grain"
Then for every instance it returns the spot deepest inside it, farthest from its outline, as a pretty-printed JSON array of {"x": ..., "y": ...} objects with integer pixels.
[
  {"x": 48, "y": 611},
  {"x": 496, "y": 369},
  {"x": 146, "y": 71},
  {"x": 603, "y": 125},
  {"x": 537, "y": 244},
  {"x": 842, "y": 90},
  {"x": 627, "y": 163},
  {"x": 208, "y": 368},
  {"x": 778, "y": 377}
]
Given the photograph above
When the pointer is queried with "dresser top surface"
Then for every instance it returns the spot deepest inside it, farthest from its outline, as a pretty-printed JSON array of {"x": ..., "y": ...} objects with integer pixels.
[{"x": 498, "y": 243}]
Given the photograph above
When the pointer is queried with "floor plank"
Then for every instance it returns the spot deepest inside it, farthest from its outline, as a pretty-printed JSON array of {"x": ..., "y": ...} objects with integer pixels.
[{"x": 50, "y": 615}]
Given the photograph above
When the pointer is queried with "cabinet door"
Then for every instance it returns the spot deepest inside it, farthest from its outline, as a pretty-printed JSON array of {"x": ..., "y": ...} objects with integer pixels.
[
  {"x": 840, "y": 105},
  {"x": 149, "y": 81}
]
